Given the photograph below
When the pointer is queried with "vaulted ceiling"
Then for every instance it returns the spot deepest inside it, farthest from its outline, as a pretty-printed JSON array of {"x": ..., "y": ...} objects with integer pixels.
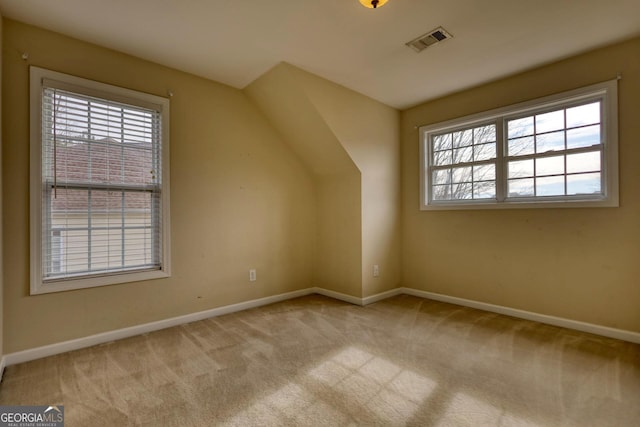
[{"x": 236, "y": 41}]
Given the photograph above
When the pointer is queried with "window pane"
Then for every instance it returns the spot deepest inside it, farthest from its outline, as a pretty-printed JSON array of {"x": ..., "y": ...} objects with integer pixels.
[
  {"x": 462, "y": 191},
  {"x": 90, "y": 226},
  {"x": 484, "y": 172},
  {"x": 583, "y": 137},
  {"x": 442, "y": 158},
  {"x": 476, "y": 144},
  {"x": 112, "y": 252},
  {"x": 71, "y": 117},
  {"x": 550, "y": 186},
  {"x": 484, "y": 134},
  {"x": 550, "y": 142},
  {"x": 442, "y": 142},
  {"x": 112, "y": 218},
  {"x": 138, "y": 165},
  {"x": 548, "y": 122},
  {"x": 521, "y": 168},
  {"x": 441, "y": 177},
  {"x": 588, "y": 183},
  {"x": 102, "y": 202},
  {"x": 462, "y": 138},
  {"x": 462, "y": 174},
  {"x": 583, "y": 162},
  {"x": 520, "y": 187},
  {"x": 97, "y": 142},
  {"x": 520, "y": 127},
  {"x": 55, "y": 258},
  {"x": 76, "y": 250},
  {"x": 71, "y": 161},
  {"x": 136, "y": 202},
  {"x": 521, "y": 146},
  {"x": 484, "y": 190},
  {"x": 441, "y": 192},
  {"x": 138, "y": 247},
  {"x": 484, "y": 152},
  {"x": 462, "y": 155},
  {"x": 102, "y": 240},
  {"x": 550, "y": 165},
  {"x": 583, "y": 115},
  {"x": 62, "y": 199},
  {"x": 139, "y": 217}
]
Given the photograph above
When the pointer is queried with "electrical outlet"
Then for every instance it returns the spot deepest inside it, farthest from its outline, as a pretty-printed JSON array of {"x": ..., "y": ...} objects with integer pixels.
[
  {"x": 376, "y": 271},
  {"x": 252, "y": 275}
]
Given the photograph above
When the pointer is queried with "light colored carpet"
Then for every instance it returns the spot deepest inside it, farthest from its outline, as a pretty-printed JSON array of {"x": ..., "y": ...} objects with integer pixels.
[{"x": 318, "y": 361}]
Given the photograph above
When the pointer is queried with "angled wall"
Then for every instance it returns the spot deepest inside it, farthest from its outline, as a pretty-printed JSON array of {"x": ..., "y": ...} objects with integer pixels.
[
  {"x": 338, "y": 256},
  {"x": 351, "y": 142},
  {"x": 370, "y": 133}
]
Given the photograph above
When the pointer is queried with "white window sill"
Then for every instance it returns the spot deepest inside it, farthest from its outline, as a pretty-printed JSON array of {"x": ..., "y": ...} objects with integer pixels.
[{"x": 40, "y": 287}]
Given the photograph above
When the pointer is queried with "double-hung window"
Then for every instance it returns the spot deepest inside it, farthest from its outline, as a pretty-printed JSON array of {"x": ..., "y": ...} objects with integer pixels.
[
  {"x": 558, "y": 151},
  {"x": 99, "y": 184}
]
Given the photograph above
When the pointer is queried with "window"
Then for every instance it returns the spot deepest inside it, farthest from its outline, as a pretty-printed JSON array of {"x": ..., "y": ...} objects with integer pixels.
[
  {"x": 558, "y": 151},
  {"x": 99, "y": 184},
  {"x": 464, "y": 164}
]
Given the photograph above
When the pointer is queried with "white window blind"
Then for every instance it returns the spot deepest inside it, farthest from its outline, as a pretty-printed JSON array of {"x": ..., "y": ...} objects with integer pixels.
[{"x": 101, "y": 186}]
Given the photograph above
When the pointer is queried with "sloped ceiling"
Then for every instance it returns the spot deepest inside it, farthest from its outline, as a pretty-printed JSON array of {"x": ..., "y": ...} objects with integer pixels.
[
  {"x": 283, "y": 100},
  {"x": 236, "y": 41}
]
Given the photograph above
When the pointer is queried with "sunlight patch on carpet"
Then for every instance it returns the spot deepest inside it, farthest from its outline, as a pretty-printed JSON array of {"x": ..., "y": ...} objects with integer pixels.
[
  {"x": 353, "y": 384},
  {"x": 467, "y": 410}
]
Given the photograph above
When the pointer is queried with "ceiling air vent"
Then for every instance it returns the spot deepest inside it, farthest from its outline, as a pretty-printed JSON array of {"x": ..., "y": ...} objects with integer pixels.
[{"x": 431, "y": 38}]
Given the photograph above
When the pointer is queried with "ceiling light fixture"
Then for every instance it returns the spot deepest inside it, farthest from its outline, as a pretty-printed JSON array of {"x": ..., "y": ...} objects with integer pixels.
[{"x": 372, "y": 4}]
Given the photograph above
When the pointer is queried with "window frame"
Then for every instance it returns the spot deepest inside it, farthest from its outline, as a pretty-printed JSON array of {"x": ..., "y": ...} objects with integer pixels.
[
  {"x": 605, "y": 92},
  {"x": 37, "y": 213}
]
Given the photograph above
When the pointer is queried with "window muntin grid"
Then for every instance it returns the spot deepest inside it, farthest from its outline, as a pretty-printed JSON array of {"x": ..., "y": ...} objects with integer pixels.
[
  {"x": 463, "y": 164},
  {"x": 556, "y": 153}
]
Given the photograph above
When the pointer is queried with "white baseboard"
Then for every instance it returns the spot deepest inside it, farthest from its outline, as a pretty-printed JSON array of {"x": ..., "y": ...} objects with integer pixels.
[
  {"x": 591, "y": 328},
  {"x": 383, "y": 295},
  {"x": 62, "y": 347},
  {"x": 338, "y": 295},
  {"x": 356, "y": 300},
  {"x": 76, "y": 344}
]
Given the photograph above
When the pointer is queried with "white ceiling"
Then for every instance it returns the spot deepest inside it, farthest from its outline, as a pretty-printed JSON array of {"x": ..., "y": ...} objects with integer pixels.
[{"x": 236, "y": 41}]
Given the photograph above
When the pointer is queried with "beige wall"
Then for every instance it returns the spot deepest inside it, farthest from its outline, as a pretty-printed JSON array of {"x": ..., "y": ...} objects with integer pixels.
[
  {"x": 240, "y": 199},
  {"x": 369, "y": 132},
  {"x": 352, "y": 143},
  {"x": 580, "y": 264},
  {"x": 339, "y": 234},
  {"x": 338, "y": 259}
]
